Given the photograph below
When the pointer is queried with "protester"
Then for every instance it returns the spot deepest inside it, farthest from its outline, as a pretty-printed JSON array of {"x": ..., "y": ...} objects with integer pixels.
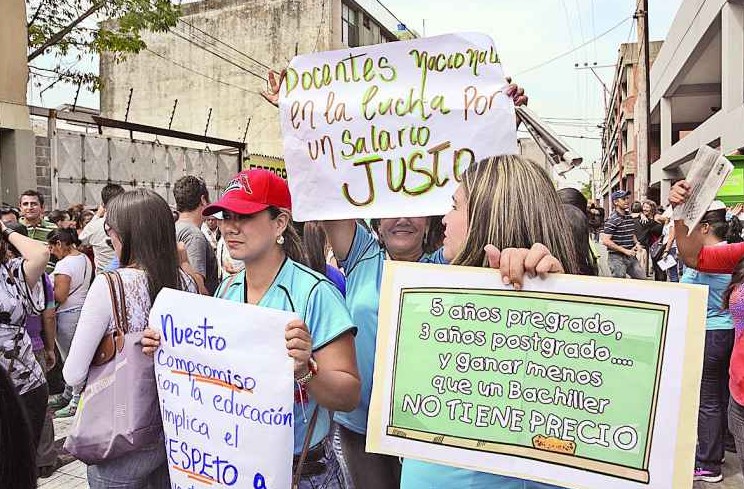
[
  {"x": 620, "y": 239},
  {"x": 316, "y": 243},
  {"x": 61, "y": 219},
  {"x": 9, "y": 215},
  {"x": 257, "y": 227},
  {"x": 94, "y": 234},
  {"x": 73, "y": 275},
  {"x": 148, "y": 254},
  {"x": 719, "y": 341},
  {"x": 42, "y": 329},
  {"x": 596, "y": 220},
  {"x": 211, "y": 229},
  {"x": 18, "y": 276},
  {"x": 648, "y": 231},
  {"x": 669, "y": 240},
  {"x": 227, "y": 266},
  {"x": 32, "y": 212},
  {"x": 17, "y": 469},
  {"x": 84, "y": 219},
  {"x": 362, "y": 255},
  {"x": 491, "y": 211},
  {"x": 192, "y": 197},
  {"x": 579, "y": 227},
  {"x": 722, "y": 259},
  {"x": 578, "y": 219}
]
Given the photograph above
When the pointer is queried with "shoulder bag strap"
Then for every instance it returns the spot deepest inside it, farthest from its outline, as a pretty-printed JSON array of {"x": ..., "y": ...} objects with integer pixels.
[
  {"x": 123, "y": 318},
  {"x": 305, "y": 449},
  {"x": 114, "y": 301}
]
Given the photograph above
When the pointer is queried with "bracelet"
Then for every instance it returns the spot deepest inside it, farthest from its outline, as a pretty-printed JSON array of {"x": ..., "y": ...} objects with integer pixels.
[
  {"x": 305, "y": 379},
  {"x": 312, "y": 370},
  {"x": 7, "y": 232}
]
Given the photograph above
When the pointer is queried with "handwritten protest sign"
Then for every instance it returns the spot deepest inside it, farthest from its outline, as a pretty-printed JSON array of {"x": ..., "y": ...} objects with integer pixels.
[
  {"x": 225, "y": 388},
  {"x": 561, "y": 383},
  {"x": 370, "y": 131}
]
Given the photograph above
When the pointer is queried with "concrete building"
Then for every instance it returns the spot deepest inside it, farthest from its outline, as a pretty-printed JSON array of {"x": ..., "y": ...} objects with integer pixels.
[
  {"x": 17, "y": 145},
  {"x": 248, "y": 37},
  {"x": 619, "y": 138},
  {"x": 697, "y": 87}
]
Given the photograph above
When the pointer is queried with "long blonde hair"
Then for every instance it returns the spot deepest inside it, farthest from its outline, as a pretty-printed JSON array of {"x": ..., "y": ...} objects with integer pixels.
[{"x": 512, "y": 203}]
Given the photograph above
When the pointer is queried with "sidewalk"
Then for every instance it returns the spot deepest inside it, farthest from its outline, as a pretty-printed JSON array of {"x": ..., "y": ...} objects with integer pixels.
[{"x": 72, "y": 476}]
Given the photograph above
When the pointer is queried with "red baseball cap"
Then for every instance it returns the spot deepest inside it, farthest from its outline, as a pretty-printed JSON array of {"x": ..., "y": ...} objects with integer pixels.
[{"x": 252, "y": 191}]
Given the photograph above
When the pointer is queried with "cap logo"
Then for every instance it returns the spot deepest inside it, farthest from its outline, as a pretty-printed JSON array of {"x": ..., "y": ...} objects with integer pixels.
[{"x": 239, "y": 183}]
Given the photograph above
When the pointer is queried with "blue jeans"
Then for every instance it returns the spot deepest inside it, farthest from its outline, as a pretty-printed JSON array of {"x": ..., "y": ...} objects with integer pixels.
[
  {"x": 143, "y": 469},
  {"x": 714, "y": 398},
  {"x": 66, "y": 326},
  {"x": 331, "y": 477}
]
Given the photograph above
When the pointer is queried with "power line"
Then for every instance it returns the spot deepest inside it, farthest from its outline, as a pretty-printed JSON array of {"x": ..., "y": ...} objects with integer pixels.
[
  {"x": 569, "y": 136},
  {"x": 563, "y": 55},
  {"x": 219, "y": 55},
  {"x": 263, "y": 65},
  {"x": 400, "y": 22},
  {"x": 200, "y": 73}
]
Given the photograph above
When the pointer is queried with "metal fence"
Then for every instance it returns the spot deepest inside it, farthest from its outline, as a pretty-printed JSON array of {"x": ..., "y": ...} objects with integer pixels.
[{"x": 83, "y": 163}]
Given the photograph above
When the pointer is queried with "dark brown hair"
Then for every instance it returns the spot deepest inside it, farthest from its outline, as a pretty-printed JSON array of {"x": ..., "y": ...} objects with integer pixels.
[
  {"x": 144, "y": 224},
  {"x": 314, "y": 238}
]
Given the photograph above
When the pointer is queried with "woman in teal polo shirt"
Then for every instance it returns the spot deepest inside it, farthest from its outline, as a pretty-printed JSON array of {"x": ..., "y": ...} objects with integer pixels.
[{"x": 257, "y": 228}]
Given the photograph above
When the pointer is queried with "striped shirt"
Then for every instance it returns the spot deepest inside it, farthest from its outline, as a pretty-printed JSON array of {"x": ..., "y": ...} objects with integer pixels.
[{"x": 621, "y": 229}]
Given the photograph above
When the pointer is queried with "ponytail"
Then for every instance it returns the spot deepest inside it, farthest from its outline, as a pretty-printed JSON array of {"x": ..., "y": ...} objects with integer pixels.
[{"x": 292, "y": 245}]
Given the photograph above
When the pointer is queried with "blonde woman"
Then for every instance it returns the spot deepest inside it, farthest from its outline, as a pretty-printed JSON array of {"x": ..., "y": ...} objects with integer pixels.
[{"x": 496, "y": 206}]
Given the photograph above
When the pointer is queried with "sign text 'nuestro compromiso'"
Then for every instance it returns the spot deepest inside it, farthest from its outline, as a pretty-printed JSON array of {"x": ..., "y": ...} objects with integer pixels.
[
  {"x": 369, "y": 130},
  {"x": 224, "y": 383}
]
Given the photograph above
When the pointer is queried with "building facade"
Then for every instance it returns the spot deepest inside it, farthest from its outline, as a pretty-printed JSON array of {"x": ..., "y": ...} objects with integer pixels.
[
  {"x": 619, "y": 138},
  {"x": 697, "y": 87},
  {"x": 212, "y": 63}
]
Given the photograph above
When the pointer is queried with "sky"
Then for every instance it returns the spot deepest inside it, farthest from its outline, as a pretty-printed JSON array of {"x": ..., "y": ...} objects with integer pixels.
[{"x": 527, "y": 33}]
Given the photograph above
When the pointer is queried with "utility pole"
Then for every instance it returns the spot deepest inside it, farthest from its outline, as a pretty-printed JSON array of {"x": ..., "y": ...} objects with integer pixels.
[{"x": 643, "y": 106}]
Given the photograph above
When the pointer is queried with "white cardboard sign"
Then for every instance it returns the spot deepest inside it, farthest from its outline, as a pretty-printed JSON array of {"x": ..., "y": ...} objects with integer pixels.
[
  {"x": 225, "y": 388},
  {"x": 386, "y": 130}
]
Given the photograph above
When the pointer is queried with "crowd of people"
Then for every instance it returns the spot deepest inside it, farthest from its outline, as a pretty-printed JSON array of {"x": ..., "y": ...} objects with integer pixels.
[{"x": 59, "y": 304}]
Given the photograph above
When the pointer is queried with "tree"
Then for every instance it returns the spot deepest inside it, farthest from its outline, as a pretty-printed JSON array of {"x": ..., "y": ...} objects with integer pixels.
[
  {"x": 586, "y": 189},
  {"x": 65, "y": 29}
]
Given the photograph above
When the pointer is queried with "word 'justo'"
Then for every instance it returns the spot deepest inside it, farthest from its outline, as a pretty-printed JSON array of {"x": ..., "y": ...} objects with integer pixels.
[{"x": 420, "y": 165}]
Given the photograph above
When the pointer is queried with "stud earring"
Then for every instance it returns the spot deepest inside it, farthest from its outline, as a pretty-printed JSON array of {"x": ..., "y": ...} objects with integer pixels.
[{"x": 280, "y": 239}]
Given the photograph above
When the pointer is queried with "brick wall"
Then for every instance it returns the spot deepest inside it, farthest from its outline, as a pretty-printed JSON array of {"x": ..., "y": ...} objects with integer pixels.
[{"x": 44, "y": 169}]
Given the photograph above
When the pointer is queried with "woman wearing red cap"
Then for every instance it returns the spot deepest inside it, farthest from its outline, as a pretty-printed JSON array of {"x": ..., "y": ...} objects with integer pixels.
[{"x": 257, "y": 228}]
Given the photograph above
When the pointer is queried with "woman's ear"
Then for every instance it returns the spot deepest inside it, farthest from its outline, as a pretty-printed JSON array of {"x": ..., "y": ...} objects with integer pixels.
[{"x": 282, "y": 222}]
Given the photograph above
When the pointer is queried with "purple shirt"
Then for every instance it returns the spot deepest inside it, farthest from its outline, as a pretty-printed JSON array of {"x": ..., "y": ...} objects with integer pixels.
[{"x": 33, "y": 323}]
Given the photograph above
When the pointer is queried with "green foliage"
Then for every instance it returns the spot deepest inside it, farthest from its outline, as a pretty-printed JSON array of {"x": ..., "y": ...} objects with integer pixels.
[
  {"x": 586, "y": 190},
  {"x": 79, "y": 29}
]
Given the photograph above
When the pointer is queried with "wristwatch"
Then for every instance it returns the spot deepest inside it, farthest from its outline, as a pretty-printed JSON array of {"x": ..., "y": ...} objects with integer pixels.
[{"x": 312, "y": 371}]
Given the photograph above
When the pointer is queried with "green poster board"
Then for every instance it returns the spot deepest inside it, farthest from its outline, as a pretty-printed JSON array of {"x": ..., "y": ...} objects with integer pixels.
[
  {"x": 732, "y": 191},
  {"x": 529, "y": 353}
]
